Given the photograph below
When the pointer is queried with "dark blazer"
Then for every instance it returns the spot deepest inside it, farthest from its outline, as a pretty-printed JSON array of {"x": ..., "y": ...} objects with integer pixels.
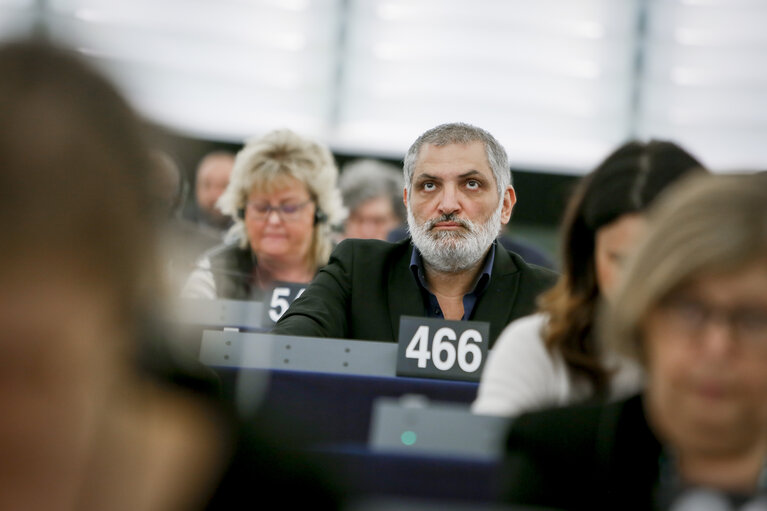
[
  {"x": 368, "y": 284},
  {"x": 583, "y": 457}
]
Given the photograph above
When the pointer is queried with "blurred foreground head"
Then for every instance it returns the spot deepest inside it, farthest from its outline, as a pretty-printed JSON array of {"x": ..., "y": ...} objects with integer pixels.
[
  {"x": 693, "y": 309},
  {"x": 76, "y": 264},
  {"x": 75, "y": 201},
  {"x": 80, "y": 428}
]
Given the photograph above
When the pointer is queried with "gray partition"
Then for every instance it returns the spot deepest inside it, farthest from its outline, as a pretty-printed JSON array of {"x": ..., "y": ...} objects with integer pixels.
[
  {"x": 415, "y": 425},
  {"x": 270, "y": 351},
  {"x": 220, "y": 313}
]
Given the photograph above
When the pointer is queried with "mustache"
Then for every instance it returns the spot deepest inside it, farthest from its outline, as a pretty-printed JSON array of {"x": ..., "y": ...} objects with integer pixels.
[{"x": 449, "y": 217}]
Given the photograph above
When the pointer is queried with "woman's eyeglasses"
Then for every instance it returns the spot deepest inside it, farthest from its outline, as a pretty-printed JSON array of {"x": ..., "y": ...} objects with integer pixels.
[
  {"x": 287, "y": 212},
  {"x": 689, "y": 315}
]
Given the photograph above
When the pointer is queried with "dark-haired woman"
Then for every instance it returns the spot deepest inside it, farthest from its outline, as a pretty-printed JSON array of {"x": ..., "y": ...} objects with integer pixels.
[{"x": 551, "y": 358}]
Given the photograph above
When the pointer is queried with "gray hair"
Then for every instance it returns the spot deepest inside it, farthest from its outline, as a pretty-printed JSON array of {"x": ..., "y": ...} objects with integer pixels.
[
  {"x": 266, "y": 162},
  {"x": 461, "y": 133},
  {"x": 365, "y": 179},
  {"x": 705, "y": 224}
]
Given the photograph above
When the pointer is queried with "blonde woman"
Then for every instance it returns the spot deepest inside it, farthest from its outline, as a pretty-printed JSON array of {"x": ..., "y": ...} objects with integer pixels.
[{"x": 283, "y": 198}]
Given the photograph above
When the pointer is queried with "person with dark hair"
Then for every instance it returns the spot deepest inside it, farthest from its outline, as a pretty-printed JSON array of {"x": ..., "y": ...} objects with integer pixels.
[
  {"x": 372, "y": 193},
  {"x": 551, "y": 358},
  {"x": 86, "y": 425},
  {"x": 182, "y": 241},
  {"x": 691, "y": 309},
  {"x": 458, "y": 195}
]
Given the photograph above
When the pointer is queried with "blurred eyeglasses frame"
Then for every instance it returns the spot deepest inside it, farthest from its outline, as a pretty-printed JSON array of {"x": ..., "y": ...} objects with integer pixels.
[
  {"x": 745, "y": 324},
  {"x": 286, "y": 212}
]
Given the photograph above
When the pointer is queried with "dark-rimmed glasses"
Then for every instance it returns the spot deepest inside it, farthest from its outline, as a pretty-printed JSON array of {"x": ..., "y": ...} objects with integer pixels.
[
  {"x": 287, "y": 212},
  {"x": 688, "y": 315}
]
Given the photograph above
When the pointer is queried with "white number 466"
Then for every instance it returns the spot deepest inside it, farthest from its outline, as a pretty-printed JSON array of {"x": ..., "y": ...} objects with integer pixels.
[{"x": 443, "y": 352}]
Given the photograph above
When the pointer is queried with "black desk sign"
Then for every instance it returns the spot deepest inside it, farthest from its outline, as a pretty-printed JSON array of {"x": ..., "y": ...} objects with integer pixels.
[
  {"x": 280, "y": 298},
  {"x": 438, "y": 348}
]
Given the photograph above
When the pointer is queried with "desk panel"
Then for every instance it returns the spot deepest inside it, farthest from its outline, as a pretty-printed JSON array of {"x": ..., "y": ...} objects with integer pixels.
[
  {"x": 376, "y": 475},
  {"x": 336, "y": 408},
  {"x": 289, "y": 352},
  {"x": 220, "y": 313}
]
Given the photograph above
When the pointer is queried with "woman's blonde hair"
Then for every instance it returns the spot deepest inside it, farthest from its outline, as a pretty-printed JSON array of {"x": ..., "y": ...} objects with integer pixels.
[
  {"x": 713, "y": 224},
  {"x": 267, "y": 163}
]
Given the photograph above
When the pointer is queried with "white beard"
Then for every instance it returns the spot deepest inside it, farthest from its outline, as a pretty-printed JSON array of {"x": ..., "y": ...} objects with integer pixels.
[{"x": 454, "y": 251}]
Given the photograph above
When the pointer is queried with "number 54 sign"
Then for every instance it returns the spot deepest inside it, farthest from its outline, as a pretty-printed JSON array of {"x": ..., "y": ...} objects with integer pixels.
[
  {"x": 438, "y": 348},
  {"x": 282, "y": 295}
]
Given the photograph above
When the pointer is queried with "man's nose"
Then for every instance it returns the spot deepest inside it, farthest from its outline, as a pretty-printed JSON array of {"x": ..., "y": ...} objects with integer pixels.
[{"x": 448, "y": 201}]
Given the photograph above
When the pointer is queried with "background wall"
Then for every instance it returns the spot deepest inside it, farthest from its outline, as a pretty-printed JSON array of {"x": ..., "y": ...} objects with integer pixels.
[{"x": 559, "y": 82}]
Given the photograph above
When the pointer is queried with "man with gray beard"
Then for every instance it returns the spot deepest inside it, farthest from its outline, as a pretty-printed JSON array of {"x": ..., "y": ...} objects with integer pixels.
[{"x": 458, "y": 196}]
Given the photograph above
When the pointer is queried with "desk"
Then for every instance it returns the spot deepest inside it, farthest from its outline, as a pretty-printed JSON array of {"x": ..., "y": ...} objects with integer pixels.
[
  {"x": 330, "y": 414},
  {"x": 220, "y": 313},
  {"x": 336, "y": 408},
  {"x": 189, "y": 318},
  {"x": 375, "y": 475},
  {"x": 297, "y": 353}
]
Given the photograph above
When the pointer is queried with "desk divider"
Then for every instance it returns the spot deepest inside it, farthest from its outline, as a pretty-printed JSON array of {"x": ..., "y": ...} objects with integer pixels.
[
  {"x": 220, "y": 313},
  {"x": 413, "y": 424},
  {"x": 294, "y": 353}
]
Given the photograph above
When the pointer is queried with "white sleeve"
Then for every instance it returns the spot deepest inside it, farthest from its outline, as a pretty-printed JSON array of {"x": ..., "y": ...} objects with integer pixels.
[
  {"x": 628, "y": 379},
  {"x": 520, "y": 374},
  {"x": 200, "y": 283}
]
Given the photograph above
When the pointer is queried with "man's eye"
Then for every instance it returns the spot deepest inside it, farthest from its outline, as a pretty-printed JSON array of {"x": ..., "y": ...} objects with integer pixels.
[
  {"x": 428, "y": 186},
  {"x": 473, "y": 184}
]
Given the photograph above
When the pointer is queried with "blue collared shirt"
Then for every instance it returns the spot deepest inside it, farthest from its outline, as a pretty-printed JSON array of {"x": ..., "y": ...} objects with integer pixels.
[{"x": 433, "y": 310}]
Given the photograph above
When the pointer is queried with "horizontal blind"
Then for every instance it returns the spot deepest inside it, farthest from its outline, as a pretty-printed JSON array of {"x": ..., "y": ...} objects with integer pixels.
[
  {"x": 225, "y": 69},
  {"x": 704, "y": 82}
]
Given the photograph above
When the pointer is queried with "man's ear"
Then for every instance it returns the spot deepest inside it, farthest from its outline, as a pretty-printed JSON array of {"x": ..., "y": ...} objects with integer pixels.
[
  {"x": 404, "y": 196},
  {"x": 509, "y": 199}
]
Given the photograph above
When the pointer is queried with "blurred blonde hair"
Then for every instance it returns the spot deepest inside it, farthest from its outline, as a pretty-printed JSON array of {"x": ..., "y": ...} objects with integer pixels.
[
  {"x": 266, "y": 163},
  {"x": 713, "y": 224}
]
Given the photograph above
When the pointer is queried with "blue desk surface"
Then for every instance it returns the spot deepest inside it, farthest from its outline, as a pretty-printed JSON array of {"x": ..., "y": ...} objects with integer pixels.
[
  {"x": 336, "y": 409},
  {"x": 372, "y": 474},
  {"x": 330, "y": 414}
]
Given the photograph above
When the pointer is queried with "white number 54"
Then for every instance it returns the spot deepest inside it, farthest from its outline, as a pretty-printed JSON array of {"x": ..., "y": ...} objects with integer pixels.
[{"x": 279, "y": 303}]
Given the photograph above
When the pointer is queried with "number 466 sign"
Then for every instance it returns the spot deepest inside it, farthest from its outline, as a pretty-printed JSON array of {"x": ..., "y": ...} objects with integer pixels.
[{"x": 438, "y": 348}]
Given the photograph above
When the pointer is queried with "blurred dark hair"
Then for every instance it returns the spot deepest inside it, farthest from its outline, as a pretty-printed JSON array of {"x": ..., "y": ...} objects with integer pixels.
[
  {"x": 627, "y": 181},
  {"x": 75, "y": 174}
]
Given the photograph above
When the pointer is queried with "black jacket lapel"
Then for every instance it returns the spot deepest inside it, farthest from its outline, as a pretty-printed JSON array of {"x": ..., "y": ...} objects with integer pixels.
[
  {"x": 497, "y": 303},
  {"x": 404, "y": 295}
]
